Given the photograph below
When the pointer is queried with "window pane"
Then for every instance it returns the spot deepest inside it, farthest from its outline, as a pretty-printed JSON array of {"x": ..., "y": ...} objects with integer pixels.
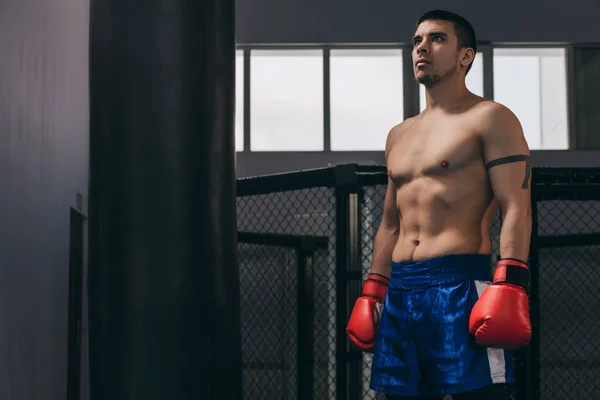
[
  {"x": 239, "y": 100},
  {"x": 366, "y": 97},
  {"x": 286, "y": 90},
  {"x": 533, "y": 84},
  {"x": 587, "y": 84},
  {"x": 474, "y": 80}
]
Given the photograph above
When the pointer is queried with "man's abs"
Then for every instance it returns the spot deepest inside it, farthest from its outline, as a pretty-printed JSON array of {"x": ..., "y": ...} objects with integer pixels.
[
  {"x": 443, "y": 217},
  {"x": 448, "y": 242}
]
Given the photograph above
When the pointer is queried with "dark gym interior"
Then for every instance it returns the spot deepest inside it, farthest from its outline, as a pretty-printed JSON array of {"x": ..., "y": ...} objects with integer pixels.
[{"x": 78, "y": 100}]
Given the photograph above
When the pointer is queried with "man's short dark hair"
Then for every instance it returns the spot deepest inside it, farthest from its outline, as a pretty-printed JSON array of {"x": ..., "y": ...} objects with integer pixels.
[{"x": 463, "y": 28}]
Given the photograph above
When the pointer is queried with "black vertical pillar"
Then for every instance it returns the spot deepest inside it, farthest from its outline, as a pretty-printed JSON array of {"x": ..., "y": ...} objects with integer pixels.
[{"x": 163, "y": 277}]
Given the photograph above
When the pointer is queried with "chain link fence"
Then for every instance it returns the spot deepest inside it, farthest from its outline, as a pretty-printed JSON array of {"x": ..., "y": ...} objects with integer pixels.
[
  {"x": 568, "y": 252},
  {"x": 563, "y": 361},
  {"x": 269, "y": 292}
]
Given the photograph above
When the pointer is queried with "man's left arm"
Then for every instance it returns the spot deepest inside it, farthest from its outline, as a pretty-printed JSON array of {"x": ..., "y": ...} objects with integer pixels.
[
  {"x": 507, "y": 160},
  {"x": 500, "y": 318}
]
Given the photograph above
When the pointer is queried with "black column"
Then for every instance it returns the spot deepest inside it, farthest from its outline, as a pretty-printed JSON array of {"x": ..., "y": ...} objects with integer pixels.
[{"x": 163, "y": 275}]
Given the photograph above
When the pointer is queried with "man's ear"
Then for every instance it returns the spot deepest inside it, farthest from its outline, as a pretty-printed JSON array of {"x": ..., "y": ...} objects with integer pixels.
[{"x": 467, "y": 57}]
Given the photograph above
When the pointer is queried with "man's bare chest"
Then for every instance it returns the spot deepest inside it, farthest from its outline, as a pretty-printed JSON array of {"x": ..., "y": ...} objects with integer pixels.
[{"x": 433, "y": 150}]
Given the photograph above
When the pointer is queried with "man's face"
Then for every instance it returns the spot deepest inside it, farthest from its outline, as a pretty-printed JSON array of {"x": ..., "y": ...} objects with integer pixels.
[{"x": 435, "y": 52}]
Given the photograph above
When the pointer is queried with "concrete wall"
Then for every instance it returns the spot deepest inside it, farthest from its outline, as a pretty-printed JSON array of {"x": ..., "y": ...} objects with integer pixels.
[
  {"x": 392, "y": 21},
  {"x": 43, "y": 166}
]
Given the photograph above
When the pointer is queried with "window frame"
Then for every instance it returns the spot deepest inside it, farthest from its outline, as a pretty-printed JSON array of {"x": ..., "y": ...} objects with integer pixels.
[
  {"x": 569, "y": 70},
  {"x": 411, "y": 87}
]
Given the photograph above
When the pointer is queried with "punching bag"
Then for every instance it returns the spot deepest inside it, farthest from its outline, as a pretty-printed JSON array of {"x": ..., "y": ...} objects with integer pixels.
[{"x": 163, "y": 285}]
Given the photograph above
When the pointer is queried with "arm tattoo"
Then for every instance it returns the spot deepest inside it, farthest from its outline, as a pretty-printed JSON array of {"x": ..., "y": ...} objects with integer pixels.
[{"x": 512, "y": 159}]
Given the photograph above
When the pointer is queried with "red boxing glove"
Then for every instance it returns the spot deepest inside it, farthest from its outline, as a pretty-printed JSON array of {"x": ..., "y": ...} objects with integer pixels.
[
  {"x": 500, "y": 318},
  {"x": 364, "y": 320}
]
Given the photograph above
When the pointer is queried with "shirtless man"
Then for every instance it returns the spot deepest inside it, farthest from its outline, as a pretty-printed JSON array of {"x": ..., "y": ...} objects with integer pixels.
[{"x": 435, "y": 319}]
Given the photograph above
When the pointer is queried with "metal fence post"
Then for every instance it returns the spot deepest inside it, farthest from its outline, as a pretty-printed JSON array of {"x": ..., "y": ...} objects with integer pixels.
[
  {"x": 348, "y": 364},
  {"x": 533, "y": 353},
  {"x": 341, "y": 223},
  {"x": 306, "y": 312},
  {"x": 527, "y": 359}
]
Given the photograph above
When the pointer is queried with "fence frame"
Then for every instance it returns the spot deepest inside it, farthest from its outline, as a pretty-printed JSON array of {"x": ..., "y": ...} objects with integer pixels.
[
  {"x": 305, "y": 248},
  {"x": 550, "y": 184},
  {"x": 348, "y": 181}
]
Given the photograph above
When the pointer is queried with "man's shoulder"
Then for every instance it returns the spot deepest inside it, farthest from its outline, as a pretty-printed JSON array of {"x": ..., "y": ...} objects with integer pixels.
[
  {"x": 495, "y": 121},
  {"x": 397, "y": 131},
  {"x": 402, "y": 127},
  {"x": 491, "y": 111}
]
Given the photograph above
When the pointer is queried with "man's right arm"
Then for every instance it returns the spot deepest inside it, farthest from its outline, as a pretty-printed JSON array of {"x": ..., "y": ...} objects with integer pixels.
[
  {"x": 366, "y": 314},
  {"x": 387, "y": 234},
  {"x": 389, "y": 228}
]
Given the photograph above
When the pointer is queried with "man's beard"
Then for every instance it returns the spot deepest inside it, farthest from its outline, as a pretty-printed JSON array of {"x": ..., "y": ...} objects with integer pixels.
[{"x": 430, "y": 80}]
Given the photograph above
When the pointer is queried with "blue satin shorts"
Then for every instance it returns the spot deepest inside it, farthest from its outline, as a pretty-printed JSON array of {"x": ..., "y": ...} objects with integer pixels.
[{"x": 423, "y": 347}]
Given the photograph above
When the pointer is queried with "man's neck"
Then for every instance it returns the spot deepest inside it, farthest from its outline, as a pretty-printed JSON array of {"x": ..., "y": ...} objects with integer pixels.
[{"x": 446, "y": 95}]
